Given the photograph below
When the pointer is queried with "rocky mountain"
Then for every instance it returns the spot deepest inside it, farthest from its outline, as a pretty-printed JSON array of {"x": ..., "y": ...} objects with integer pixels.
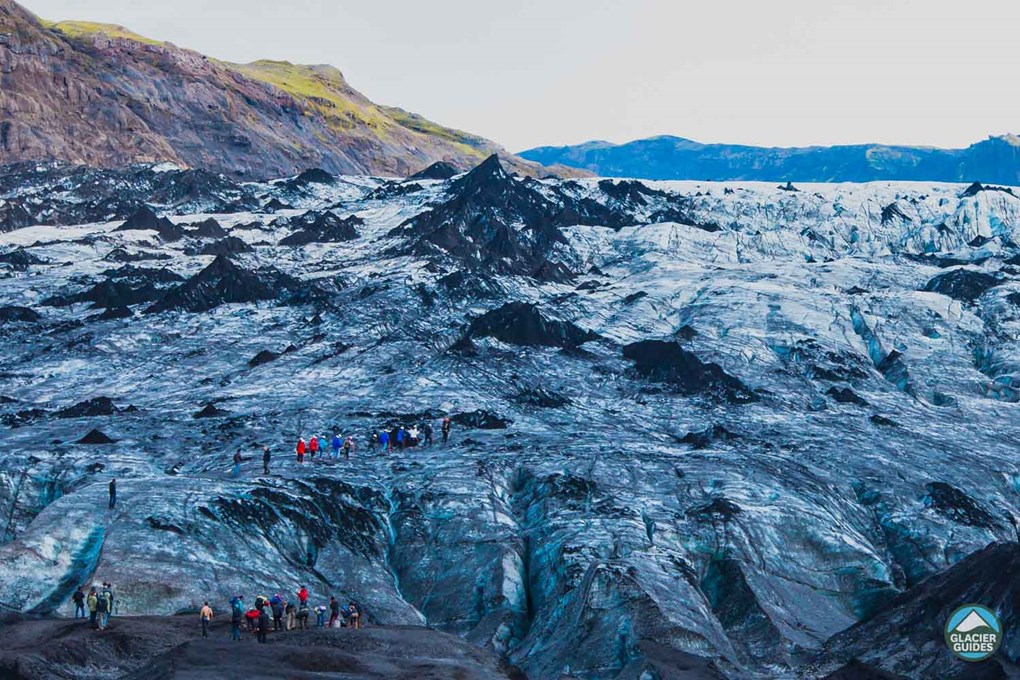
[
  {"x": 739, "y": 430},
  {"x": 995, "y": 160},
  {"x": 101, "y": 95}
]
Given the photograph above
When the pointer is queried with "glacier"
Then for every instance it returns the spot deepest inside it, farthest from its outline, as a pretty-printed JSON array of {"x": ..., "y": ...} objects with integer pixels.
[{"x": 693, "y": 422}]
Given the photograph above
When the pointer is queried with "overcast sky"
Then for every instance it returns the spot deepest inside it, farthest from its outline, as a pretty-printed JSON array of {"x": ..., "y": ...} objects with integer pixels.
[{"x": 535, "y": 72}]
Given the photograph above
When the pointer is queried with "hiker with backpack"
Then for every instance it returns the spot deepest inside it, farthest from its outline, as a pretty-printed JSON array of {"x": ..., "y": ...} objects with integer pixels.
[
  {"x": 290, "y": 612},
  {"x": 427, "y": 430},
  {"x": 302, "y": 615},
  {"x": 236, "y": 617},
  {"x": 277, "y": 605},
  {"x": 313, "y": 446},
  {"x": 447, "y": 423},
  {"x": 103, "y": 606},
  {"x": 384, "y": 441},
  {"x": 348, "y": 447},
  {"x": 93, "y": 604},
  {"x": 320, "y": 616},
  {"x": 301, "y": 448}
]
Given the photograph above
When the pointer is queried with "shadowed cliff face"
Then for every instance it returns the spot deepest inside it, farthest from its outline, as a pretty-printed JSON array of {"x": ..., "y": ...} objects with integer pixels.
[
  {"x": 101, "y": 95},
  {"x": 708, "y": 448}
]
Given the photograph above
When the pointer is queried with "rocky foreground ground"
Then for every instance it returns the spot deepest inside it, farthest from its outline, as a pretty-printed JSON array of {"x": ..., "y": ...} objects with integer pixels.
[{"x": 161, "y": 648}]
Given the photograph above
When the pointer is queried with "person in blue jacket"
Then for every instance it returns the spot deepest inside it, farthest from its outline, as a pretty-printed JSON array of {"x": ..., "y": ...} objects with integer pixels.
[
  {"x": 384, "y": 441},
  {"x": 337, "y": 443}
]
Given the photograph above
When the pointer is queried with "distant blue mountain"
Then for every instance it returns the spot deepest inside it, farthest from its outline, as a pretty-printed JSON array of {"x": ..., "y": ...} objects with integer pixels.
[{"x": 994, "y": 160}]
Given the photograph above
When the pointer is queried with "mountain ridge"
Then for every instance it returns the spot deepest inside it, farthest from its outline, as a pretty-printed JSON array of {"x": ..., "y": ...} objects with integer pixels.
[
  {"x": 666, "y": 157},
  {"x": 101, "y": 95}
]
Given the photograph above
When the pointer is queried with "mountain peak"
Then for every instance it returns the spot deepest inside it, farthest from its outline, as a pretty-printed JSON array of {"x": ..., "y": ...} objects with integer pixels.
[{"x": 115, "y": 105}]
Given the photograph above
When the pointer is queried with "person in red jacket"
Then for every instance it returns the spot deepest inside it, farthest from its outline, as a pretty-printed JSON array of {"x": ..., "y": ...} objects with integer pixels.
[
  {"x": 313, "y": 446},
  {"x": 302, "y": 596},
  {"x": 301, "y": 450}
]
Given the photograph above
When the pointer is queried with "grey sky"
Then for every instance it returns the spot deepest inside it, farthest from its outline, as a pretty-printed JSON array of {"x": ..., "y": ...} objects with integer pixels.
[{"x": 533, "y": 72}]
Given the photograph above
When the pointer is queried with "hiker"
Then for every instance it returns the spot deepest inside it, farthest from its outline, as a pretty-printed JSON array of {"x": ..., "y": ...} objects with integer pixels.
[
  {"x": 263, "y": 624},
  {"x": 93, "y": 604},
  {"x": 337, "y": 443},
  {"x": 393, "y": 437},
  {"x": 412, "y": 436},
  {"x": 427, "y": 430},
  {"x": 252, "y": 616},
  {"x": 302, "y": 616},
  {"x": 236, "y": 616},
  {"x": 302, "y": 595},
  {"x": 113, "y": 493},
  {"x": 373, "y": 441},
  {"x": 384, "y": 441},
  {"x": 446, "y": 428},
  {"x": 277, "y": 604},
  {"x": 334, "y": 611},
  {"x": 236, "y": 472},
  {"x": 290, "y": 611},
  {"x": 266, "y": 457},
  {"x": 348, "y": 447},
  {"x": 320, "y": 616},
  {"x": 79, "y": 603},
  {"x": 103, "y": 608},
  {"x": 205, "y": 616},
  {"x": 107, "y": 593},
  {"x": 313, "y": 446},
  {"x": 301, "y": 450},
  {"x": 353, "y": 615}
]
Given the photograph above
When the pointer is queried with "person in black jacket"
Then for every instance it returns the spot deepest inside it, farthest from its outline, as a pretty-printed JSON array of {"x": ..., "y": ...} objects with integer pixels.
[
  {"x": 266, "y": 456},
  {"x": 263, "y": 623},
  {"x": 79, "y": 603},
  {"x": 113, "y": 493}
]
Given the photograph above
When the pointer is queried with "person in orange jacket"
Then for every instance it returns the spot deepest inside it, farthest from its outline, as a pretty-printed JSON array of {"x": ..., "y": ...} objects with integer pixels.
[
  {"x": 301, "y": 450},
  {"x": 302, "y": 596}
]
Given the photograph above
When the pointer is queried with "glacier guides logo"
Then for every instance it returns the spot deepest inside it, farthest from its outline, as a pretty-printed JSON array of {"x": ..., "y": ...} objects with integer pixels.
[{"x": 973, "y": 632}]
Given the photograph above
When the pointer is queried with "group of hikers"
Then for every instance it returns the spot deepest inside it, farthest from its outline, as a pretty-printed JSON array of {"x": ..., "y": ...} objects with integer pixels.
[
  {"x": 398, "y": 437},
  {"x": 284, "y": 615},
  {"x": 274, "y": 613},
  {"x": 98, "y": 602},
  {"x": 382, "y": 441}
]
